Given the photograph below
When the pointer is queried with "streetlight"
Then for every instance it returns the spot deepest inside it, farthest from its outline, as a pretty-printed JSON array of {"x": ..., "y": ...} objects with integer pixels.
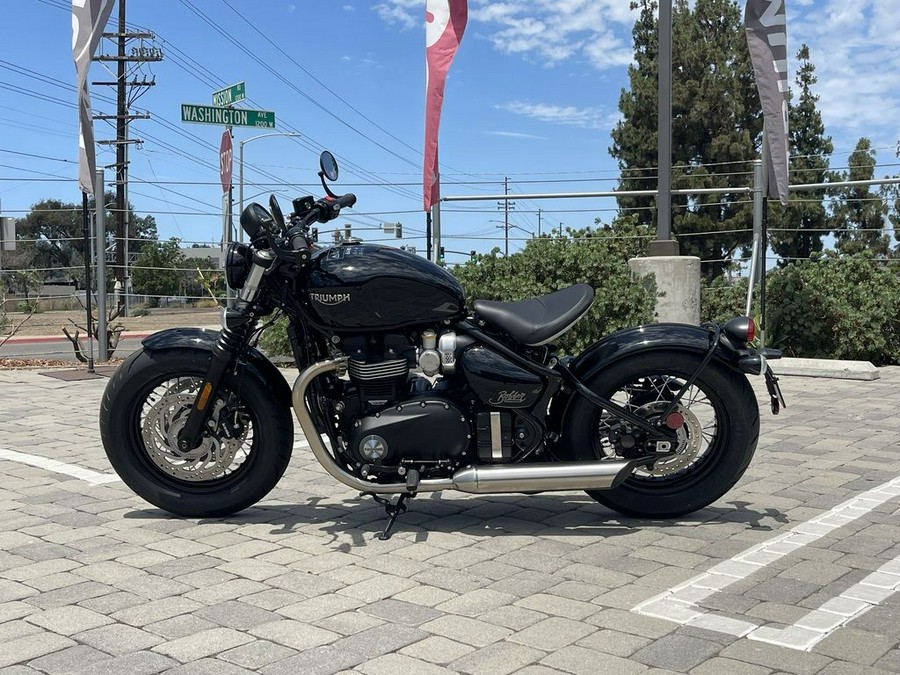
[{"x": 241, "y": 168}]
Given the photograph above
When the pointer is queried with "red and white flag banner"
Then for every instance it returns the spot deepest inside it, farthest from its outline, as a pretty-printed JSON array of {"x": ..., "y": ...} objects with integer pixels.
[{"x": 445, "y": 22}]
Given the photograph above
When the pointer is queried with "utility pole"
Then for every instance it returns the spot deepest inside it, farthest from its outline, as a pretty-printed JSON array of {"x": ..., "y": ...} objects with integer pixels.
[
  {"x": 123, "y": 117},
  {"x": 506, "y": 205},
  {"x": 539, "y": 221}
]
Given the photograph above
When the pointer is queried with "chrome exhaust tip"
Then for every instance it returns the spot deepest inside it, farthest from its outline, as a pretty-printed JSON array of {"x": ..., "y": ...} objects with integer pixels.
[{"x": 494, "y": 478}]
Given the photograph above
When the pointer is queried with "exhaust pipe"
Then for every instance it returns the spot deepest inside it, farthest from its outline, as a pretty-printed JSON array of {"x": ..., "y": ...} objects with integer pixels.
[
  {"x": 601, "y": 475},
  {"x": 487, "y": 479}
]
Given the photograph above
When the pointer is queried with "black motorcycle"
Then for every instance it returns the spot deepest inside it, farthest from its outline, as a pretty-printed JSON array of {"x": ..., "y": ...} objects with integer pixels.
[{"x": 414, "y": 392}]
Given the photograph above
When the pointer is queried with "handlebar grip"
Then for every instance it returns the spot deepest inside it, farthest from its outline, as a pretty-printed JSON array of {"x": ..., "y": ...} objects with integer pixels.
[
  {"x": 299, "y": 245},
  {"x": 346, "y": 201}
]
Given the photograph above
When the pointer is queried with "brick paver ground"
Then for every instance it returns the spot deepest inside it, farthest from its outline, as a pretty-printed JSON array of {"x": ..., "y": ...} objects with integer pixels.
[{"x": 94, "y": 580}]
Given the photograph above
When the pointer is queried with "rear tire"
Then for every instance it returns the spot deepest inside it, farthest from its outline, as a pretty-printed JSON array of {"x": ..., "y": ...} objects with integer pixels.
[
  {"x": 236, "y": 465},
  {"x": 716, "y": 441}
]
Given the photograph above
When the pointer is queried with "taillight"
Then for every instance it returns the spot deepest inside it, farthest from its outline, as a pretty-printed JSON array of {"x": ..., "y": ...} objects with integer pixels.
[{"x": 740, "y": 329}]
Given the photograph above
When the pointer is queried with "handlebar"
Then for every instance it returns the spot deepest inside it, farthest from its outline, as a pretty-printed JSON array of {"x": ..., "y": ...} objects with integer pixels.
[{"x": 323, "y": 210}]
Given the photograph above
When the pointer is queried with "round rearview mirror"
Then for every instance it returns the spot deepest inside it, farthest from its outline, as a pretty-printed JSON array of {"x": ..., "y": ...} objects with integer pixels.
[{"x": 329, "y": 165}]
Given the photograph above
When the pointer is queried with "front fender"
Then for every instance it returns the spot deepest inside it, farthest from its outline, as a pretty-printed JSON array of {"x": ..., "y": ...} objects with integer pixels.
[{"x": 203, "y": 339}]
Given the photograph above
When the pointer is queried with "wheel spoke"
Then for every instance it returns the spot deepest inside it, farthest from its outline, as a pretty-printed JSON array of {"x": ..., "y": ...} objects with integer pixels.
[{"x": 650, "y": 396}]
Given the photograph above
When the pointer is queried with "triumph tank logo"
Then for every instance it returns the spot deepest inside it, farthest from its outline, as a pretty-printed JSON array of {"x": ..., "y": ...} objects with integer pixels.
[
  {"x": 330, "y": 298},
  {"x": 508, "y": 398}
]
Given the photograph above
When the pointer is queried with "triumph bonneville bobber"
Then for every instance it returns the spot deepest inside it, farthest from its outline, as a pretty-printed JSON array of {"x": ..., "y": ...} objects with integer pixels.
[{"x": 414, "y": 391}]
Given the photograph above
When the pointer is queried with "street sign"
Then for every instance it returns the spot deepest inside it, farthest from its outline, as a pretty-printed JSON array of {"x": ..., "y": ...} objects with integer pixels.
[
  {"x": 227, "y": 117},
  {"x": 229, "y": 95},
  {"x": 226, "y": 161}
]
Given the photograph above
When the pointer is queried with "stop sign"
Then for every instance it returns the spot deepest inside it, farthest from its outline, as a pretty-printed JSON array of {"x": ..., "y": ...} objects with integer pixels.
[{"x": 226, "y": 157}]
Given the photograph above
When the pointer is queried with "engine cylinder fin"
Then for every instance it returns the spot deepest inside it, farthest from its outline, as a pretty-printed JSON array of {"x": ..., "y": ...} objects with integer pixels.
[{"x": 361, "y": 370}]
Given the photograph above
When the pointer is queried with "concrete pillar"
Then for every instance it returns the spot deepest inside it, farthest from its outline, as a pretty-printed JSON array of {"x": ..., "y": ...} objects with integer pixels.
[{"x": 677, "y": 286}]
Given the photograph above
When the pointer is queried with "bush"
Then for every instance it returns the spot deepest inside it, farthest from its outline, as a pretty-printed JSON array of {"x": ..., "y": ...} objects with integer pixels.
[
  {"x": 274, "y": 340},
  {"x": 723, "y": 299},
  {"x": 840, "y": 307},
  {"x": 598, "y": 257},
  {"x": 27, "y": 306}
]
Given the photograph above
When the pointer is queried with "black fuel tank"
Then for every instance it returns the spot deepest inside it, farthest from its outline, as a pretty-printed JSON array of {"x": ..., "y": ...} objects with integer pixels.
[{"x": 371, "y": 287}]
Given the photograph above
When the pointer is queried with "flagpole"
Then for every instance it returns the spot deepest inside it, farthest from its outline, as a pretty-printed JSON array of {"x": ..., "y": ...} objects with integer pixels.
[{"x": 436, "y": 229}]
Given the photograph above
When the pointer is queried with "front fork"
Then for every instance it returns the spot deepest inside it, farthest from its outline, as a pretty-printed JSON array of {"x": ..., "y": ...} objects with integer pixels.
[
  {"x": 226, "y": 349},
  {"x": 237, "y": 325}
]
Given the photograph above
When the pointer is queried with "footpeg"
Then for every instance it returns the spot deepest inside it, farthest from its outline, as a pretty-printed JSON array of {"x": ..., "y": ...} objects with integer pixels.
[{"x": 412, "y": 481}]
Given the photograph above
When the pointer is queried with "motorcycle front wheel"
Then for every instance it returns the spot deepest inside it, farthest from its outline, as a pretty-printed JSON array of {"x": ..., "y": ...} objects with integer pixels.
[
  {"x": 246, "y": 446},
  {"x": 717, "y": 422}
]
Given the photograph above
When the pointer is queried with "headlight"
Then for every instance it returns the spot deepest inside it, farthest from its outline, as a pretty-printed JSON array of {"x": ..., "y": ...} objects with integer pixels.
[{"x": 237, "y": 265}]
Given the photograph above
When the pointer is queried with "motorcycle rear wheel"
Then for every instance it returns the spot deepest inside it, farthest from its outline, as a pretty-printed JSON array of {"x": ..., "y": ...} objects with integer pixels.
[
  {"x": 716, "y": 440},
  {"x": 239, "y": 461}
]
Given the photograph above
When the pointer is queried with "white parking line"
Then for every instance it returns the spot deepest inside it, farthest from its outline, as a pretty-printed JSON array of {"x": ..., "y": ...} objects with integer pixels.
[
  {"x": 92, "y": 477},
  {"x": 678, "y": 604}
]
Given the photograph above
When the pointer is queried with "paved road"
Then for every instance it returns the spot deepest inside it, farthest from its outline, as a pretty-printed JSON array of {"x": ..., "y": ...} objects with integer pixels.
[
  {"x": 60, "y": 349},
  {"x": 795, "y": 571}
]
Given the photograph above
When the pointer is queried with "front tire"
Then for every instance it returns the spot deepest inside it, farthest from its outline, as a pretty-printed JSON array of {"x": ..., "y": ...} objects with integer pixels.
[
  {"x": 716, "y": 440},
  {"x": 242, "y": 456}
]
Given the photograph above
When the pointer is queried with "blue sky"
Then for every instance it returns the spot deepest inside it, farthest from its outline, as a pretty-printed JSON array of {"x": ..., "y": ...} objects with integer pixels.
[{"x": 532, "y": 95}]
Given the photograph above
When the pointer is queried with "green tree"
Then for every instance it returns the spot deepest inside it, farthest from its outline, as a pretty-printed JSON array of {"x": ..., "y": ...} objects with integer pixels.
[
  {"x": 597, "y": 257},
  {"x": 51, "y": 237},
  {"x": 716, "y": 125},
  {"x": 797, "y": 231},
  {"x": 156, "y": 270},
  {"x": 858, "y": 212},
  {"x": 204, "y": 279}
]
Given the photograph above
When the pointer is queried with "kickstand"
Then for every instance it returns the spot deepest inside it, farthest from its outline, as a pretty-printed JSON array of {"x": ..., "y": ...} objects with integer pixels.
[{"x": 393, "y": 510}]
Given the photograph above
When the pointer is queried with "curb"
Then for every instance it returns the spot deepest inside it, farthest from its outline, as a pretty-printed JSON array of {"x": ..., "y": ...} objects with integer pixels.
[
  {"x": 835, "y": 369},
  {"x": 37, "y": 339}
]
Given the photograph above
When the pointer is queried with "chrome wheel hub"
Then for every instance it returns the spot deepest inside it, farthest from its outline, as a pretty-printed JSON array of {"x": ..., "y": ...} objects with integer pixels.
[{"x": 688, "y": 445}]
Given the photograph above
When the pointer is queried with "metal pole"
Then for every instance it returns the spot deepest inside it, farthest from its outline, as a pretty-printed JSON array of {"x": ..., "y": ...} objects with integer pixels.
[
  {"x": 100, "y": 251},
  {"x": 241, "y": 187},
  {"x": 506, "y": 217},
  {"x": 86, "y": 235},
  {"x": 126, "y": 216},
  {"x": 436, "y": 229},
  {"x": 428, "y": 236},
  {"x": 664, "y": 85},
  {"x": 241, "y": 169},
  {"x": 757, "y": 231}
]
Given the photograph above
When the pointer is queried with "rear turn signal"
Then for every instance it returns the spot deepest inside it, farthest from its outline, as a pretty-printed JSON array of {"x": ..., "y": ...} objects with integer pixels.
[{"x": 741, "y": 329}]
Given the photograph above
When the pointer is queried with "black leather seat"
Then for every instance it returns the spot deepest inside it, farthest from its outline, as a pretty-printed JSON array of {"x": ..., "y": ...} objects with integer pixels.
[{"x": 537, "y": 321}]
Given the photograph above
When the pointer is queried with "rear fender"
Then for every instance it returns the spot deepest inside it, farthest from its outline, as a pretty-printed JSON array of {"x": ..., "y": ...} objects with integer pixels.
[
  {"x": 255, "y": 364},
  {"x": 655, "y": 337},
  {"x": 652, "y": 337}
]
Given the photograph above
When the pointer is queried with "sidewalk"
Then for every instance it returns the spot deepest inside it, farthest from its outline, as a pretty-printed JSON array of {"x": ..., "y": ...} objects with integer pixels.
[{"x": 796, "y": 570}]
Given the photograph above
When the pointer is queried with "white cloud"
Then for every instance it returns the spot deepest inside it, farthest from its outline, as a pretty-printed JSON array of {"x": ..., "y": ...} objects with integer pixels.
[
  {"x": 854, "y": 48},
  {"x": 516, "y": 134},
  {"x": 585, "y": 118},
  {"x": 405, "y": 13},
  {"x": 548, "y": 31}
]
